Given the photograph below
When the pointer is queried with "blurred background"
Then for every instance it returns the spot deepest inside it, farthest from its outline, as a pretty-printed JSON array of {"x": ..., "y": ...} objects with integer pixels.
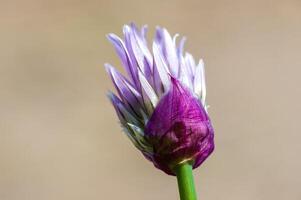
[{"x": 59, "y": 135}]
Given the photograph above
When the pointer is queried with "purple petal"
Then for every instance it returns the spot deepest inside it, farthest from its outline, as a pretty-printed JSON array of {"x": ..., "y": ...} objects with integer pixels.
[
  {"x": 161, "y": 67},
  {"x": 125, "y": 90},
  {"x": 149, "y": 91},
  {"x": 169, "y": 51},
  {"x": 127, "y": 40},
  {"x": 140, "y": 49},
  {"x": 124, "y": 56},
  {"x": 177, "y": 105},
  {"x": 178, "y": 128},
  {"x": 115, "y": 102},
  {"x": 125, "y": 116}
]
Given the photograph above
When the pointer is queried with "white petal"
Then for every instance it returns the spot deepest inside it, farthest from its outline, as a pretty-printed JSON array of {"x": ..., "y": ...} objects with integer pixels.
[
  {"x": 181, "y": 47},
  {"x": 174, "y": 39},
  {"x": 190, "y": 64},
  {"x": 143, "y": 31},
  {"x": 171, "y": 54},
  {"x": 199, "y": 82},
  {"x": 161, "y": 67},
  {"x": 184, "y": 75},
  {"x": 149, "y": 91},
  {"x": 201, "y": 63}
]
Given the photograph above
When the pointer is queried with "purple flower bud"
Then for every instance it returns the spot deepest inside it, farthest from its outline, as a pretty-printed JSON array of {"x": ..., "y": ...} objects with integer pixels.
[
  {"x": 179, "y": 130},
  {"x": 161, "y": 105}
]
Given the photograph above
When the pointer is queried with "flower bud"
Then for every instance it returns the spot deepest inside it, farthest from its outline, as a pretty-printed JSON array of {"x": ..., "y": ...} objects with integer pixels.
[{"x": 161, "y": 103}]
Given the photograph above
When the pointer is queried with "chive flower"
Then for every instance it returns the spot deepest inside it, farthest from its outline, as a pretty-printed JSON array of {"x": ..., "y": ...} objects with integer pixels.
[{"x": 161, "y": 101}]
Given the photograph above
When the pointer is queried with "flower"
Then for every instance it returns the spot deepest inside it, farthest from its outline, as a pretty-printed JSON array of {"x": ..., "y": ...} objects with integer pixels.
[{"x": 161, "y": 103}]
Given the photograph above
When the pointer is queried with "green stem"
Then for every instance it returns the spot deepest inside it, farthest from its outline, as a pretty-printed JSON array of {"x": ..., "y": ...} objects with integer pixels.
[{"x": 185, "y": 181}]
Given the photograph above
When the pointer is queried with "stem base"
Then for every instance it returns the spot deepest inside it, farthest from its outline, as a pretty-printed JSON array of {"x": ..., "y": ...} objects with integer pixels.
[{"x": 185, "y": 181}]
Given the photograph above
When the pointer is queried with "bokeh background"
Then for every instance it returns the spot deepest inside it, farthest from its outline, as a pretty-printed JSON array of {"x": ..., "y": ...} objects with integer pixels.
[{"x": 59, "y": 135}]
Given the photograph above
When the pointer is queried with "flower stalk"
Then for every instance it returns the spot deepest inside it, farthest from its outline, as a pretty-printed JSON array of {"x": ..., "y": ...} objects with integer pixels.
[{"x": 185, "y": 181}]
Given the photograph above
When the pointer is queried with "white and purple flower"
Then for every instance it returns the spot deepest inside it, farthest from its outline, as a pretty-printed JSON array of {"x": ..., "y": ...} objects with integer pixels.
[{"x": 161, "y": 103}]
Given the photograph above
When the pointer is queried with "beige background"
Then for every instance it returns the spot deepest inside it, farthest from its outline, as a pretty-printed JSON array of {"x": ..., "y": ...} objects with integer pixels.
[{"x": 59, "y": 136}]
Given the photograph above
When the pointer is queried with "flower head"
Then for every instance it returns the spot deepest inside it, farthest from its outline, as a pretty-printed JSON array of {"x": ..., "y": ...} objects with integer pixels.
[{"x": 161, "y": 104}]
